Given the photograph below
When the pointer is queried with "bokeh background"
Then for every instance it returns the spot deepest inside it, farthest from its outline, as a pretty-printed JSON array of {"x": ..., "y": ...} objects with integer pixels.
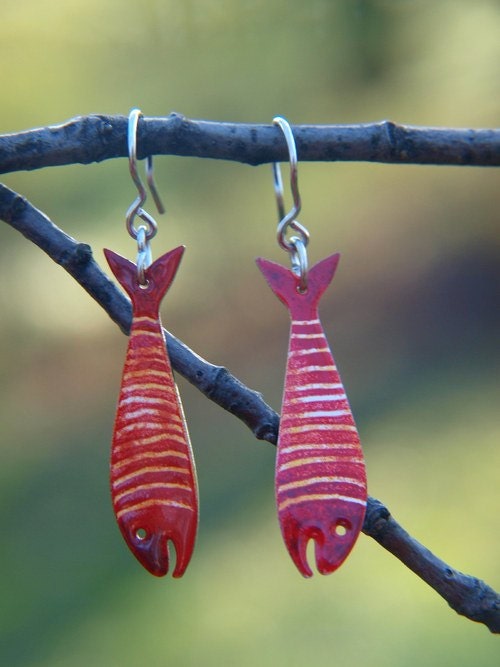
[{"x": 413, "y": 317}]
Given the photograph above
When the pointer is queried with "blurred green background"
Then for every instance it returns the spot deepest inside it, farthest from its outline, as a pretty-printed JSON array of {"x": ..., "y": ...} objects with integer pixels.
[{"x": 413, "y": 317}]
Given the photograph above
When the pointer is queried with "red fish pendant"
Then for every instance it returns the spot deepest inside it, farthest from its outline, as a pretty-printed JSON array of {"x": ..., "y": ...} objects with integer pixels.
[
  {"x": 153, "y": 478},
  {"x": 320, "y": 478}
]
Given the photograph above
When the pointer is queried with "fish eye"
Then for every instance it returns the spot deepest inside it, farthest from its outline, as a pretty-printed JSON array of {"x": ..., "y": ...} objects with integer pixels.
[
  {"x": 341, "y": 527},
  {"x": 141, "y": 534}
]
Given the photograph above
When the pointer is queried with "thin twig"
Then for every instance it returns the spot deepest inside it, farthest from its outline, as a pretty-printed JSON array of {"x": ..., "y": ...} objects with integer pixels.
[
  {"x": 467, "y": 595},
  {"x": 94, "y": 138}
]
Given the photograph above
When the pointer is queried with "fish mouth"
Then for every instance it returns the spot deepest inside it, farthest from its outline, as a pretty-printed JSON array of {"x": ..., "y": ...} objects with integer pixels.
[
  {"x": 152, "y": 551},
  {"x": 333, "y": 540},
  {"x": 154, "y": 545}
]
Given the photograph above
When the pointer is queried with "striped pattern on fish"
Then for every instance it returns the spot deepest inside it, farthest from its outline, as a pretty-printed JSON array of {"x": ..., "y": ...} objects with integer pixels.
[
  {"x": 320, "y": 477},
  {"x": 153, "y": 478}
]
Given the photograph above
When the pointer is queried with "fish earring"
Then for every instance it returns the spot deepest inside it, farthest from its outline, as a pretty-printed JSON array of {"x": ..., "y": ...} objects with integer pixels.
[
  {"x": 153, "y": 478},
  {"x": 320, "y": 479}
]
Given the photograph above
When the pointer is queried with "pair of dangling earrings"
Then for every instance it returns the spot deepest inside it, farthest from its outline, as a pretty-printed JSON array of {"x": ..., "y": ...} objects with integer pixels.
[{"x": 320, "y": 479}]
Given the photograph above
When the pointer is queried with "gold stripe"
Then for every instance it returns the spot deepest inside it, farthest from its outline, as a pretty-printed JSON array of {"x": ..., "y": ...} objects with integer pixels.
[
  {"x": 150, "y": 455},
  {"x": 319, "y": 385},
  {"x": 305, "y": 323},
  {"x": 166, "y": 428},
  {"x": 318, "y": 459},
  {"x": 319, "y": 398},
  {"x": 320, "y": 496},
  {"x": 151, "y": 503},
  {"x": 147, "y": 469},
  {"x": 311, "y": 350},
  {"x": 328, "y": 446},
  {"x": 343, "y": 412},
  {"x": 147, "y": 400},
  {"x": 146, "y": 385},
  {"x": 135, "y": 426},
  {"x": 144, "y": 318},
  {"x": 307, "y": 336},
  {"x": 311, "y": 369},
  {"x": 320, "y": 480},
  {"x": 139, "y": 331},
  {"x": 147, "y": 487},
  {"x": 151, "y": 352},
  {"x": 145, "y": 371},
  {"x": 153, "y": 412},
  {"x": 181, "y": 438},
  {"x": 306, "y": 428}
]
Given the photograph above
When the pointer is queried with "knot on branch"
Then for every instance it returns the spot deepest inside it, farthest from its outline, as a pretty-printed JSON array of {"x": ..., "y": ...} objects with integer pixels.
[
  {"x": 376, "y": 518},
  {"x": 473, "y": 598},
  {"x": 13, "y": 205},
  {"x": 95, "y": 134},
  {"x": 77, "y": 257},
  {"x": 247, "y": 404}
]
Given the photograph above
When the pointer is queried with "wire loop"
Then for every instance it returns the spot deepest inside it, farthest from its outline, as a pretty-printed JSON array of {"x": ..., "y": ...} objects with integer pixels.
[
  {"x": 298, "y": 256},
  {"x": 144, "y": 258}
]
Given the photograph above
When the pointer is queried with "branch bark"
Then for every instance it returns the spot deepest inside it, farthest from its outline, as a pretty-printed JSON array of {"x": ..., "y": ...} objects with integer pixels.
[
  {"x": 467, "y": 595},
  {"x": 95, "y": 138}
]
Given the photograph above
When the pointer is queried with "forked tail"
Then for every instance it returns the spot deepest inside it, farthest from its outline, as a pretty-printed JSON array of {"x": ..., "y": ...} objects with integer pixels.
[
  {"x": 146, "y": 298},
  {"x": 285, "y": 283}
]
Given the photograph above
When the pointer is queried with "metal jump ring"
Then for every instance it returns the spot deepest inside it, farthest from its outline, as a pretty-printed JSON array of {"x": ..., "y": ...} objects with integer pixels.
[
  {"x": 298, "y": 255},
  {"x": 144, "y": 258}
]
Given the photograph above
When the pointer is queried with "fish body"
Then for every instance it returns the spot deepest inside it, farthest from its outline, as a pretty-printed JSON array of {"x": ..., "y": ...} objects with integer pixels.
[
  {"x": 153, "y": 478},
  {"x": 320, "y": 480}
]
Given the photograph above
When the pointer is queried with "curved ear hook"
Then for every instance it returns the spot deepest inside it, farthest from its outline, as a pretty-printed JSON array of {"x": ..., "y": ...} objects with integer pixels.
[
  {"x": 289, "y": 219},
  {"x": 278, "y": 181},
  {"x": 136, "y": 207},
  {"x": 295, "y": 245}
]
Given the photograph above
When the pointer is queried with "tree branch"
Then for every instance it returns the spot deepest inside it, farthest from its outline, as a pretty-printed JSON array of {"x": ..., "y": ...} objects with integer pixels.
[
  {"x": 467, "y": 595},
  {"x": 95, "y": 138}
]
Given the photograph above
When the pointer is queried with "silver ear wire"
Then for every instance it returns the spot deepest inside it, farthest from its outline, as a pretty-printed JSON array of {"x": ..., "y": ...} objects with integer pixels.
[
  {"x": 136, "y": 208},
  {"x": 144, "y": 233},
  {"x": 295, "y": 245}
]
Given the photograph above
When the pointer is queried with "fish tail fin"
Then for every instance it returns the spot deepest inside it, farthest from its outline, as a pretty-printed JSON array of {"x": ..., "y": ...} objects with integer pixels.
[
  {"x": 321, "y": 274},
  {"x": 280, "y": 279},
  {"x": 159, "y": 277},
  {"x": 124, "y": 270},
  {"x": 286, "y": 284}
]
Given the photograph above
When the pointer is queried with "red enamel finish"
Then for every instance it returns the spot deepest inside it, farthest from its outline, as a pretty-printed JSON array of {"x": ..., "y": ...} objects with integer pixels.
[
  {"x": 320, "y": 478},
  {"x": 153, "y": 478}
]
